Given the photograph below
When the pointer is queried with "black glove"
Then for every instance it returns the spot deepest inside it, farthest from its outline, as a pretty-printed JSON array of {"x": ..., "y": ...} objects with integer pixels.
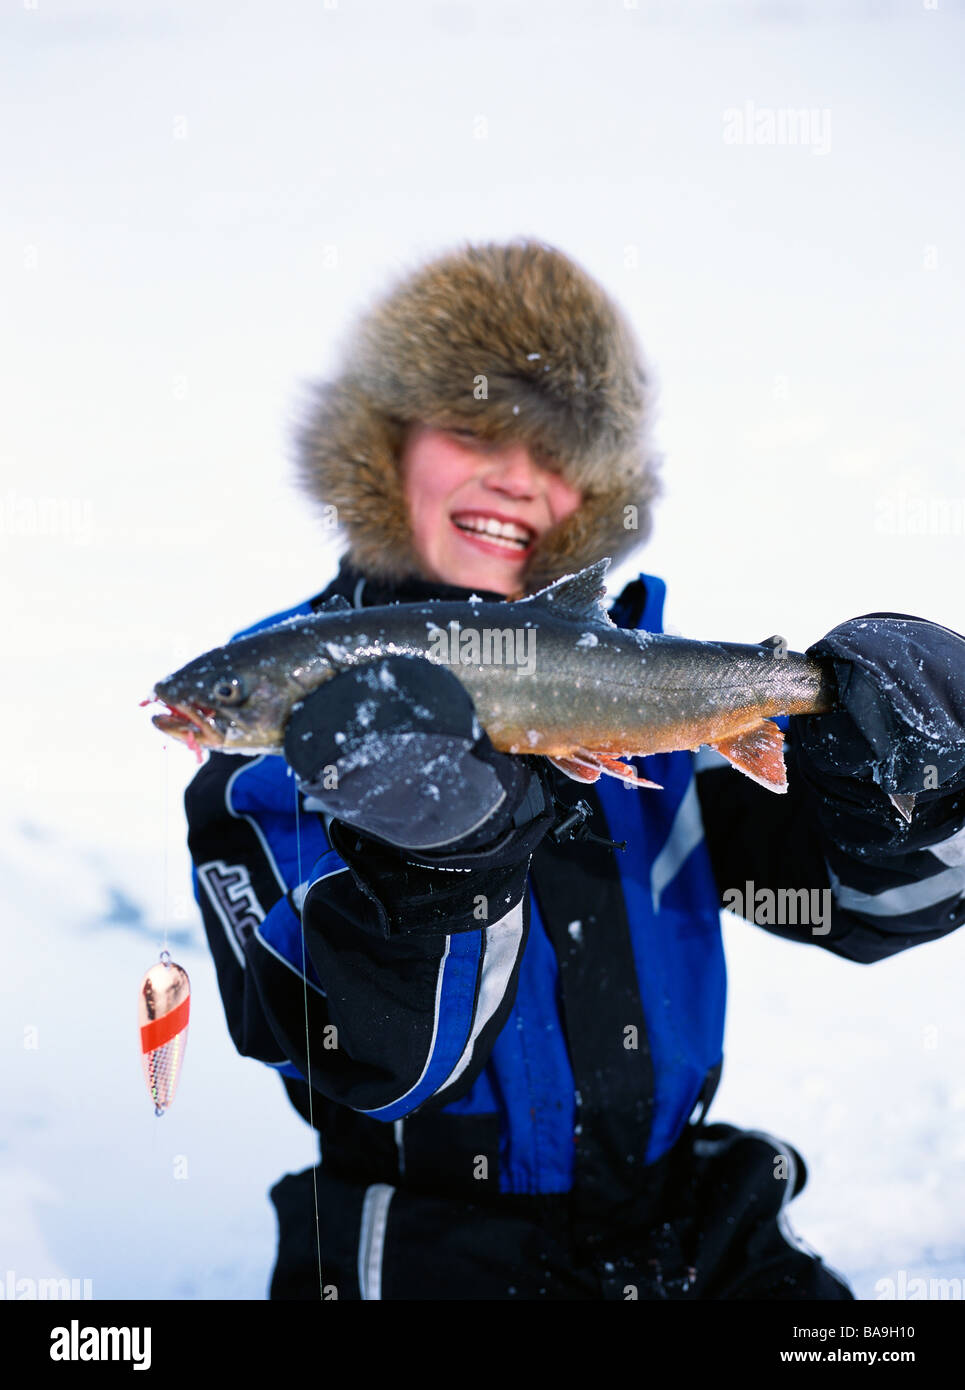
[
  {"x": 901, "y": 685},
  {"x": 901, "y": 721},
  {"x": 394, "y": 749}
]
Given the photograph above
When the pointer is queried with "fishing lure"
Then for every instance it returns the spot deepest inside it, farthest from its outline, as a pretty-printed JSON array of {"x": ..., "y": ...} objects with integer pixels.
[{"x": 163, "y": 1006}]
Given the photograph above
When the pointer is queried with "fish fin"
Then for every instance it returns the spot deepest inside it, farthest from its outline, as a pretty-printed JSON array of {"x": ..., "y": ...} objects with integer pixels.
[
  {"x": 579, "y": 772},
  {"x": 904, "y": 803},
  {"x": 759, "y": 754},
  {"x": 578, "y": 596},
  {"x": 613, "y": 767},
  {"x": 336, "y": 604}
]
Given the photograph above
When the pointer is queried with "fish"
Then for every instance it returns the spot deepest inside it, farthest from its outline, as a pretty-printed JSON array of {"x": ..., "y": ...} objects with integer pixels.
[{"x": 549, "y": 675}]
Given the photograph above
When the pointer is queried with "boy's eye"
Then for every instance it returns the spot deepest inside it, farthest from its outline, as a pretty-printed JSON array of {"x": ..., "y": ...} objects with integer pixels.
[{"x": 475, "y": 441}]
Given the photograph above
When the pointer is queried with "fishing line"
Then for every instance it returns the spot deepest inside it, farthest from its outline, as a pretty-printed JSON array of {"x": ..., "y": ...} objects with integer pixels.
[
  {"x": 165, "y": 827},
  {"x": 308, "y": 1052},
  {"x": 164, "y": 994},
  {"x": 165, "y": 881}
]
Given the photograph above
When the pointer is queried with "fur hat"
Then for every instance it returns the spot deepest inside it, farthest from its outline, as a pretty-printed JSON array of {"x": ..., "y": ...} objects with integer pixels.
[{"x": 517, "y": 343}]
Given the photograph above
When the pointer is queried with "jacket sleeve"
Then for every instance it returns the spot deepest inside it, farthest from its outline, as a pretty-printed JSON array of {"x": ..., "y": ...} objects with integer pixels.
[
  {"x": 835, "y": 866},
  {"x": 380, "y": 976}
]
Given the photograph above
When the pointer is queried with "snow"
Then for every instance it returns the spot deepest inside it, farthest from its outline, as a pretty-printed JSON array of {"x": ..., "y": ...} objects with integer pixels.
[
  {"x": 85, "y": 1163},
  {"x": 365, "y": 712},
  {"x": 856, "y": 1067}
]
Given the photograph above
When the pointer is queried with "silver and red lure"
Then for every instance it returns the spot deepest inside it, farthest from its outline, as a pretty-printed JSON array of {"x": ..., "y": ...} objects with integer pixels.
[{"x": 163, "y": 1006}]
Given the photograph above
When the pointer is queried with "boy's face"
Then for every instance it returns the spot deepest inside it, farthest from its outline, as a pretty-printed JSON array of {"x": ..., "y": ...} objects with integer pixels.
[{"x": 477, "y": 508}]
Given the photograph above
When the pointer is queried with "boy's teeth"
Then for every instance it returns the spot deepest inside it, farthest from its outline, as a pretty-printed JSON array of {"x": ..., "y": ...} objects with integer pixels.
[{"x": 502, "y": 532}]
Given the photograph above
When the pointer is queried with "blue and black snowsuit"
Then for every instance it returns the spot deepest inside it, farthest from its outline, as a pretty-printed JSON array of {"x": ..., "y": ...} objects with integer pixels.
[{"x": 516, "y": 1108}]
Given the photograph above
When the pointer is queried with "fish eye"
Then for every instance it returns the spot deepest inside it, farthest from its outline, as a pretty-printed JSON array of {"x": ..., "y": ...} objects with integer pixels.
[{"x": 229, "y": 691}]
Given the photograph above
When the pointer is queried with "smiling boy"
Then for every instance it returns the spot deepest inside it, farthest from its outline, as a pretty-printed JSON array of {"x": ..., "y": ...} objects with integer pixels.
[
  {"x": 477, "y": 509},
  {"x": 506, "y": 1032}
]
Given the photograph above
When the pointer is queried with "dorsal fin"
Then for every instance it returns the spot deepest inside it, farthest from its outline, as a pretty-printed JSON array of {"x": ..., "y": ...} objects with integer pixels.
[
  {"x": 579, "y": 596},
  {"x": 335, "y": 604}
]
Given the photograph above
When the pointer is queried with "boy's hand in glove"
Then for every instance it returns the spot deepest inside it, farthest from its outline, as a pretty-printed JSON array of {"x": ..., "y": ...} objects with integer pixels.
[
  {"x": 901, "y": 721},
  {"x": 394, "y": 749}
]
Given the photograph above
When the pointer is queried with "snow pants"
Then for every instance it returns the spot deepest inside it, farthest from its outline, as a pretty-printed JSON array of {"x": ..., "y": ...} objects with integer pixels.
[{"x": 713, "y": 1226}]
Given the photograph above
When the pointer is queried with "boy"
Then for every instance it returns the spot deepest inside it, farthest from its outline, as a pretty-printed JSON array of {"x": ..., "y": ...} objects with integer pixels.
[{"x": 512, "y": 1103}]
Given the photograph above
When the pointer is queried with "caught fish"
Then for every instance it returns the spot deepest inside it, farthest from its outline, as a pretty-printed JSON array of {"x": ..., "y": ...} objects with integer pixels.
[{"x": 549, "y": 674}]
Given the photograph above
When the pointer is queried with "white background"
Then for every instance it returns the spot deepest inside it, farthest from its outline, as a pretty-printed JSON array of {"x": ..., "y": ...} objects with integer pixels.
[{"x": 198, "y": 200}]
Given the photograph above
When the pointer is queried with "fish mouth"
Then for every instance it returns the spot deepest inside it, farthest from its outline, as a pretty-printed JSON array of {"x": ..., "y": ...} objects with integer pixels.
[
  {"x": 196, "y": 726},
  {"x": 496, "y": 532}
]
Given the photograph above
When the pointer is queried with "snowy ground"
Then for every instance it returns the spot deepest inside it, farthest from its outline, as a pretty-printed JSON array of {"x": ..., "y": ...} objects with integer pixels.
[
  {"x": 92, "y": 1185},
  {"x": 858, "y": 1067}
]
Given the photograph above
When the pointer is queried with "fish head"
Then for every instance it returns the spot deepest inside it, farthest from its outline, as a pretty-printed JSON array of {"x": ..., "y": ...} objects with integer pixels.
[{"x": 235, "y": 699}]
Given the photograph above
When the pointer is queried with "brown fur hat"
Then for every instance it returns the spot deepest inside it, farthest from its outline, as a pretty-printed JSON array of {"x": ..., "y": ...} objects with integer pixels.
[{"x": 518, "y": 343}]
